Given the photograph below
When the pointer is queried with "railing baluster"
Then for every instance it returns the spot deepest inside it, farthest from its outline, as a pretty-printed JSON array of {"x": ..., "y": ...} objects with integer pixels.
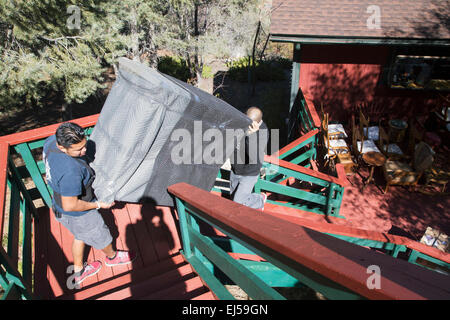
[
  {"x": 246, "y": 280},
  {"x": 35, "y": 173},
  {"x": 13, "y": 228},
  {"x": 342, "y": 265},
  {"x": 26, "y": 245},
  {"x": 182, "y": 216}
]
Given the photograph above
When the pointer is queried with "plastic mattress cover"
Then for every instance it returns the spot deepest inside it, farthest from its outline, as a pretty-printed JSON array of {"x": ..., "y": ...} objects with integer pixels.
[{"x": 134, "y": 138}]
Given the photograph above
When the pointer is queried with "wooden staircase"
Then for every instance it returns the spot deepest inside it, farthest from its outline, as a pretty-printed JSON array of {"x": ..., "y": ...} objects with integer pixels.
[{"x": 171, "y": 279}]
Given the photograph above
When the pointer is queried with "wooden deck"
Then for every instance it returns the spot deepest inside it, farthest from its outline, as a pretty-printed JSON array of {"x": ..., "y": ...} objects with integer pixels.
[
  {"x": 398, "y": 212},
  {"x": 159, "y": 271}
]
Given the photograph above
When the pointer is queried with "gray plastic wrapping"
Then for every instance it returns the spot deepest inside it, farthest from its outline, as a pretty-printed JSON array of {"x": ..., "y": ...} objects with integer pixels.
[{"x": 132, "y": 137}]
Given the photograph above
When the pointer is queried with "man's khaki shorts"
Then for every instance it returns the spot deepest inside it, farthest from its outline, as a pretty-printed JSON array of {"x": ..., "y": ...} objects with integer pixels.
[{"x": 89, "y": 228}]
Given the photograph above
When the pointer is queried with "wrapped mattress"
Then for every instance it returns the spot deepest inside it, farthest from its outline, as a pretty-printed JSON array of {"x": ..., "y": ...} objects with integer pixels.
[{"x": 138, "y": 136}]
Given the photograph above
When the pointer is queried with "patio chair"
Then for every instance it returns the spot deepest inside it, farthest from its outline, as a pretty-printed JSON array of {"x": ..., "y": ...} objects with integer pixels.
[
  {"x": 408, "y": 174},
  {"x": 335, "y": 130},
  {"x": 334, "y": 146},
  {"x": 365, "y": 137},
  {"x": 360, "y": 146},
  {"x": 438, "y": 176},
  {"x": 369, "y": 132},
  {"x": 390, "y": 150},
  {"x": 415, "y": 136}
]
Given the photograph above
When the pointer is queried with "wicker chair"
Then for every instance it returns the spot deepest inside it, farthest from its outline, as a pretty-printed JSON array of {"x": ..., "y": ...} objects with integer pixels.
[{"x": 408, "y": 174}]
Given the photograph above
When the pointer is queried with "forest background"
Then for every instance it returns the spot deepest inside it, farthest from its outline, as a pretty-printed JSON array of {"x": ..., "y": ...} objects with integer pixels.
[{"x": 59, "y": 57}]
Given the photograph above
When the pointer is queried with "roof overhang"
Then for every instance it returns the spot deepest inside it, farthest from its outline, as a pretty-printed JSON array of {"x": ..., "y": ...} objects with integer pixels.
[{"x": 305, "y": 39}]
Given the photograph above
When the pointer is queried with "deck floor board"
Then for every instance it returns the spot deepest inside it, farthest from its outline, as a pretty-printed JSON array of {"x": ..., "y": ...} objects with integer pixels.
[{"x": 138, "y": 227}]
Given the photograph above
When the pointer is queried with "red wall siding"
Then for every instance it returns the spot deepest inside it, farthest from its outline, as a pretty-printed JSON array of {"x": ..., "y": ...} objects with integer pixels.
[{"x": 343, "y": 76}]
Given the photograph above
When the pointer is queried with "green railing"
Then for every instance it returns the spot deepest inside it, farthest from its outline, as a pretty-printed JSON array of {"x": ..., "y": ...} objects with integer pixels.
[
  {"x": 214, "y": 264},
  {"x": 289, "y": 255},
  {"x": 300, "y": 151},
  {"x": 303, "y": 117},
  {"x": 16, "y": 262},
  {"x": 324, "y": 195},
  {"x": 293, "y": 162},
  {"x": 394, "y": 249},
  {"x": 386, "y": 243}
]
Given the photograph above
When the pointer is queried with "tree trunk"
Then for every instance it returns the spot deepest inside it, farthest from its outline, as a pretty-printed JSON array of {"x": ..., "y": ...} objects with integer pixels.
[
  {"x": 206, "y": 84},
  {"x": 134, "y": 36},
  {"x": 66, "y": 112},
  {"x": 253, "y": 77},
  {"x": 264, "y": 48}
]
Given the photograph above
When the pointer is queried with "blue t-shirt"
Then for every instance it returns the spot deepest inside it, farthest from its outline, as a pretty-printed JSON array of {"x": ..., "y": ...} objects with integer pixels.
[{"x": 64, "y": 174}]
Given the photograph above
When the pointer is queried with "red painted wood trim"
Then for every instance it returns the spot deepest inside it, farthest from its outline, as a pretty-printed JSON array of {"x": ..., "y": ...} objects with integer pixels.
[
  {"x": 4, "y": 151},
  {"x": 432, "y": 252},
  {"x": 350, "y": 231},
  {"x": 295, "y": 143},
  {"x": 287, "y": 213},
  {"x": 342, "y": 181},
  {"x": 311, "y": 109},
  {"x": 44, "y": 132},
  {"x": 341, "y": 175},
  {"x": 342, "y": 262}
]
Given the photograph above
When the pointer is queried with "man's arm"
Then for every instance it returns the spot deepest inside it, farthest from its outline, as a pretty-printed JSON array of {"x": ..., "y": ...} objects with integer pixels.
[
  {"x": 75, "y": 204},
  {"x": 70, "y": 185}
]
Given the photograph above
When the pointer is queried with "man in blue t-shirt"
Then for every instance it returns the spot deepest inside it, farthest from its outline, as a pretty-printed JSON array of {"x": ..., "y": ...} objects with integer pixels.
[{"x": 69, "y": 175}]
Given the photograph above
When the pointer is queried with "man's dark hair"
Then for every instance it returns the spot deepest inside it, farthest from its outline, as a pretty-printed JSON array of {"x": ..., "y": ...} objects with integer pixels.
[{"x": 69, "y": 133}]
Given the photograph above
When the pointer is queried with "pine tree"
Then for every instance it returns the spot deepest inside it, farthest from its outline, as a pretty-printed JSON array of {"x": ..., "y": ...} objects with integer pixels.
[{"x": 64, "y": 46}]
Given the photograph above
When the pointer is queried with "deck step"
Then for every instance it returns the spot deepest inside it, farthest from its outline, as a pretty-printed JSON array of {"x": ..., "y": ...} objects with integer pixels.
[
  {"x": 186, "y": 290},
  {"x": 205, "y": 296},
  {"x": 137, "y": 289},
  {"x": 152, "y": 281},
  {"x": 290, "y": 214}
]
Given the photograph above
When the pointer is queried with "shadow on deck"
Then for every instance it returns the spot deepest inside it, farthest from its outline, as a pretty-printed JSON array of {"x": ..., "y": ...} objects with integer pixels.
[
  {"x": 399, "y": 211},
  {"x": 159, "y": 271}
]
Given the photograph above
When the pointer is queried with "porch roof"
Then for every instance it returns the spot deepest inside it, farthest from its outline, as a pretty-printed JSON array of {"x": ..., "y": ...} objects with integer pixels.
[{"x": 350, "y": 21}]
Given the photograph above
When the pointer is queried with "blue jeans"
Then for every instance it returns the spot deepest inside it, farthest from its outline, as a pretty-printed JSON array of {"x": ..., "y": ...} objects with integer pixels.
[{"x": 241, "y": 188}]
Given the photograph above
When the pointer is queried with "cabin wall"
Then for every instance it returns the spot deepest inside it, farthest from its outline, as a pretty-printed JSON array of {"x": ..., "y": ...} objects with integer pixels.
[{"x": 344, "y": 76}]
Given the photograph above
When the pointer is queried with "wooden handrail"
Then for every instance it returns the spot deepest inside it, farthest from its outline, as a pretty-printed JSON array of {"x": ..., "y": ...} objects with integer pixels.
[
  {"x": 44, "y": 132},
  {"x": 340, "y": 261},
  {"x": 369, "y": 235},
  {"x": 4, "y": 150},
  {"x": 340, "y": 180},
  {"x": 295, "y": 143},
  {"x": 311, "y": 109}
]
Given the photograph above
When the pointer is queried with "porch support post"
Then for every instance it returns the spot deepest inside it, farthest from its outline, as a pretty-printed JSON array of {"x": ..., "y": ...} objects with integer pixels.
[{"x": 295, "y": 74}]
